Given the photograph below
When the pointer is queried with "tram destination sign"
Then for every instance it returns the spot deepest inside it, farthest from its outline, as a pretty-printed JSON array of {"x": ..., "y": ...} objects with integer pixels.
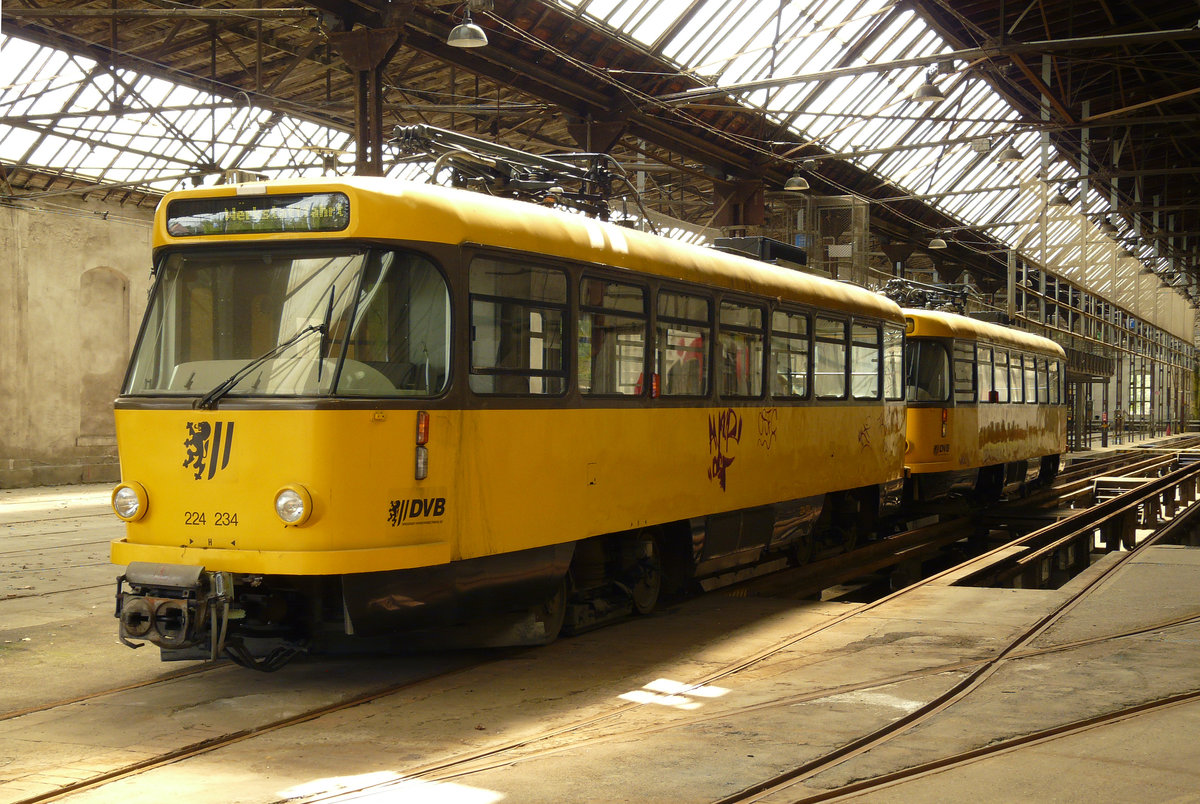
[{"x": 260, "y": 214}]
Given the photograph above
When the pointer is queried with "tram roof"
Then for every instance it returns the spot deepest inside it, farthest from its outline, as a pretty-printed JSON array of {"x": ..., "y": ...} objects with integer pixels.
[
  {"x": 936, "y": 324},
  {"x": 451, "y": 216}
]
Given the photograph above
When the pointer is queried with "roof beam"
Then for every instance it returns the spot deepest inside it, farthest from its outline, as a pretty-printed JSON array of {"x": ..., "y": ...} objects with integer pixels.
[{"x": 160, "y": 13}]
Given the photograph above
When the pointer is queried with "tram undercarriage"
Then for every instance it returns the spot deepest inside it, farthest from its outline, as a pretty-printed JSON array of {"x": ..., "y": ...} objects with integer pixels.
[{"x": 521, "y": 598}]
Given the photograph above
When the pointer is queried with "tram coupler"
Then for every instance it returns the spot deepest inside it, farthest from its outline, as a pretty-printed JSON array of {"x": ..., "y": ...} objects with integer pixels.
[{"x": 172, "y": 606}]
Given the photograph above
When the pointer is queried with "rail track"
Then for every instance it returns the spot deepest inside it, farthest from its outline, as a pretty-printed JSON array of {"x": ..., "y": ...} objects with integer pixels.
[
  {"x": 201, "y": 747},
  {"x": 974, "y": 673},
  {"x": 508, "y": 755},
  {"x": 1149, "y": 493},
  {"x": 874, "y": 556}
]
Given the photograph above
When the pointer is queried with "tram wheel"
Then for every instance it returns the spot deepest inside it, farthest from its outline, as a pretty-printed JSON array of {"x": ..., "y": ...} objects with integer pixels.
[
  {"x": 552, "y": 612},
  {"x": 648, "y": 574},
  {"x": 803, "y": 549}
]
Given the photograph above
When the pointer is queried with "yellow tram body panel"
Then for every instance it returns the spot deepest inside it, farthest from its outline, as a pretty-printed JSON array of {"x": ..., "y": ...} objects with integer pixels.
[
  {"x": 982, "y": 436},
  {"x": 498, "y": 480}
]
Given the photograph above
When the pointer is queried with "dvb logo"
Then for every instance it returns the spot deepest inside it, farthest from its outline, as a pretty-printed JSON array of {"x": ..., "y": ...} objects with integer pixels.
[{"x": 428, "y": 509}]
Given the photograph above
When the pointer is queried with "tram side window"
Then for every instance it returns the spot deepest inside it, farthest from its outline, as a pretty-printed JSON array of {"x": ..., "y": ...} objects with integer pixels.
[
  {"x": 927, "y": 371},
  {"x": 789, "y": 354},
  {"x": 829, "y": 353},
  {"x": 517, "y": 315},
  {"x": 864, "y": 362},
  {"x": 1030, "y": 381},
  {"x": 1055, "y": 392},
  {"x": 1001, "y": 375},
  {"x": 612, "y": 338},
  {"x": 964, "y": 372},
  {"x": 983, "y": 372},
  {"x": 741, "y": 350},
  {"x": 1016, "y": 389},
  {"x": 1043, "y": 382},
  {"x": 681, "y": 344},
  {"x": 400, "y": 341},
  {"x": 893, "y": 362}
]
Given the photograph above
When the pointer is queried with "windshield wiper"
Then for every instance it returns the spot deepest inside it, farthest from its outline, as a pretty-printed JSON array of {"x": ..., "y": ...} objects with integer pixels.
[
  {"x": 324, "y": 334},
  {"x": 210, "y": 399}
]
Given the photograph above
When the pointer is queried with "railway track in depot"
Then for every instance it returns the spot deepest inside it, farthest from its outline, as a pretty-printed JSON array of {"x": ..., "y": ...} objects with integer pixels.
[
  {"x": 199, "y": 748},
  {"x": 1150, "y": 494},
  {"x": 580, "y": 732},
  {"x": 965, "y": 533},
  {"x": 508, "y": 755}
]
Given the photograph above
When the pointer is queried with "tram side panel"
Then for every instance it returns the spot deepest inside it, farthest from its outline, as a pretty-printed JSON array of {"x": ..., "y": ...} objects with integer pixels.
[{"x": 950, "y": 446}]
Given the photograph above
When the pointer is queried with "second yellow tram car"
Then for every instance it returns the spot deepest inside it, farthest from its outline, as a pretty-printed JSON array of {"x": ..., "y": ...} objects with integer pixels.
[
  {"x": 363, "y": 405},
  {"x": 986, "y": 412}
]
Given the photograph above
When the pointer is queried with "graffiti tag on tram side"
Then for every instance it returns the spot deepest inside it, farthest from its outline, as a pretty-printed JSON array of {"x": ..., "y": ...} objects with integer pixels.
[
  {"x": 204, "y": 447},
  {"x": 768, "y": 427},
  {"x": 724, "y": 430}
]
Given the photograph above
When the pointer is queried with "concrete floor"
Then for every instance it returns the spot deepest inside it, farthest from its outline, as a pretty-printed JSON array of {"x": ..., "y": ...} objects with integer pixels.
[{"x": 654, "y": 711}]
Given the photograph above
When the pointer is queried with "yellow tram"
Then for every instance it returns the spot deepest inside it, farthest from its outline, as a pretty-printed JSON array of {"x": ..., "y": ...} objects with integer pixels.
[
  {"x": 364, "y": 406},
  {"x": 986, "y": 411}
]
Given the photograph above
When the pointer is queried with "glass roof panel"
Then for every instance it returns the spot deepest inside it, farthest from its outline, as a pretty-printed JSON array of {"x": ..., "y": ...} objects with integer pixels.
[
  {"x": 171, "y": 131},
  {"x": 67, "y": 114},
  {"x": 737, "y": 43}
]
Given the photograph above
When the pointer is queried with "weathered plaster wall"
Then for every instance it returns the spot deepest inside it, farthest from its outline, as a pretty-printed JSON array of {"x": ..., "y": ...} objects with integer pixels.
[{"x": 74, "y": 277}]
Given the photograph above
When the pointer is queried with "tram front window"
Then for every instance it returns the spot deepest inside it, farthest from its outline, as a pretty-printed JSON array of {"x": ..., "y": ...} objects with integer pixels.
[
  {"x": 275, "y": 322},
  {"x": 926, "y": 371}
]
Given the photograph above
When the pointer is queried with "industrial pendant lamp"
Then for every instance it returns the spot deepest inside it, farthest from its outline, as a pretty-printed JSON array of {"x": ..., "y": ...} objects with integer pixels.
[
  {"x": 927, "y": 92},
  {"x": 937, "y": 243},
  {"x": 1009, "y": 154},
  {"x": 796, "y": 184},
  {"x": 1058, "y": 199},
  {"x": 467, "y": 33}
]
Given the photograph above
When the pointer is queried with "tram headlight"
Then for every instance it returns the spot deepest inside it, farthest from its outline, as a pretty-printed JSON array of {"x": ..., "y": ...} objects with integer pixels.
[
  {"x": 129, "y": 501},
  {"x": 293, "y": 504}
]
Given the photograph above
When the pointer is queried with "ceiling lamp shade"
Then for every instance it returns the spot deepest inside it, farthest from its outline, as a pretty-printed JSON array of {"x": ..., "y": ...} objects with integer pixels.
[
  {"x": 796, "y": 184},
  {"x": 1057, "y": 199},
  {"x": 1009, "y": 154},
  {"x": 937, "y": 243},
  {"x": 928, "y": 93},
  {"x": 1108, "y": 227},
  {"x": 467, "y": 33}
]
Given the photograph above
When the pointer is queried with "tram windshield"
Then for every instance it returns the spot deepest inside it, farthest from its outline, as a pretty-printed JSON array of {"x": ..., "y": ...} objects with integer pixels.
[
  {"x": 926, "y": 371},
  {"x": 285, "y": 322}
]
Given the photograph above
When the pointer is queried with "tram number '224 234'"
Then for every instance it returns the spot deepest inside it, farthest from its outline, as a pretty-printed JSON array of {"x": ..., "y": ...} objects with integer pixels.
[{"x": 220, "y": 519}]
